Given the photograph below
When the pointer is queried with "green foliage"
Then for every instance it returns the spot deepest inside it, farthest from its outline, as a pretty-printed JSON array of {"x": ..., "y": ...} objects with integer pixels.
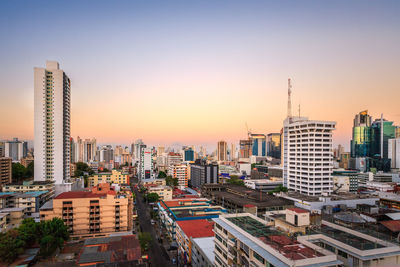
[
  {"x": 162, "y": 174},
  {"x": 11, "y": 245},
  {"x": 29, "y": 231},
  {"x": 49, "y": 234},
  {"x": 235, "y": 181},
  {"x": 152, "y": 197},
  {"x": 18, "y": 172},
  {"x": 53, "y": 234},
  {"x": 171, "y": 181},
  {"x": 81, "y": 168},
  {"x": 106, "y": 170},
  {"x": 144, "y": 240},
  {"x": 253, "y": 165},
  {"x": 30, "y": 170},
  {"x": 280, "y": 188}
]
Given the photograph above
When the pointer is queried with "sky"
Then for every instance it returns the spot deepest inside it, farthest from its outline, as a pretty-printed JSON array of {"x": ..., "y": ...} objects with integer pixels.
[{"x": 195, "y": 72}]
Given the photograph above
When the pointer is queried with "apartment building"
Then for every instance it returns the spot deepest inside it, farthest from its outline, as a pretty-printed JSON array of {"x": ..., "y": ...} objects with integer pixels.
[
  {"x": 11, "y": 218},
  {"x": 307, "y": 155},
  {"x": 5, "y": 171},
  {"x": 181, "y": 172},
  {"x": 52, "y": 123},
  {"x": 174, "y": 158},
  {"x": 98, "y": 212},
  {"x": 113, "y": 177},
  {"x": 186, "y": 230},
  {"x": 246, "y": 240},
  {"x": 203, "y": 252},
  {"x": 185, "y": 209},
  {"x": 163, "y": 191},
  {"x": 31, "y": 186}
]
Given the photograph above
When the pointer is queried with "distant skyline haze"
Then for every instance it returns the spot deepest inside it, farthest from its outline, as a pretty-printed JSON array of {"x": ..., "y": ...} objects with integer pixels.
[{"x": 195, "y": 72}]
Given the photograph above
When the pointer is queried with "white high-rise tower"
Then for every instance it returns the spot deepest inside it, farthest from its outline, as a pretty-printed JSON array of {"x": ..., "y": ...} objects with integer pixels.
[{"x": 52, "y": 124}]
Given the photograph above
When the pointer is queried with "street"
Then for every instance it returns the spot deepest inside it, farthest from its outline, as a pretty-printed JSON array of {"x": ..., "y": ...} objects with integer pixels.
[{"x": 157, "y": 255}]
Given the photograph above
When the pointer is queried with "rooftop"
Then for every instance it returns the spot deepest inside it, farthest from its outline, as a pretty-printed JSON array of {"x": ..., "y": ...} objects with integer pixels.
[
  {"x": 79, "y": 194},
  {"x": 348, "y": 238},
  {"x": 197, "y": 228},
  {"x": 206, "y": 244},
  {"x": 298, "y": 210},
  {"x": 288, "y": 247},
  {"x": 393, "y": 226},
  {"x": 333, "y": 197}
]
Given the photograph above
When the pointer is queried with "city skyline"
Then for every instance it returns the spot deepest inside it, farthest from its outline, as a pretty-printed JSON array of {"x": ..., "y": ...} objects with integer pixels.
[{"x": 213, "y": 74}]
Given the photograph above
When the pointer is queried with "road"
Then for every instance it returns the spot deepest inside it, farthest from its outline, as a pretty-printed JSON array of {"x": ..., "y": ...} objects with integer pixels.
[{"x": 157, "y": 255}]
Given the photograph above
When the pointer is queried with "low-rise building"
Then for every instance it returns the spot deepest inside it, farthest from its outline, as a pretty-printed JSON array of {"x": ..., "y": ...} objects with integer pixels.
[
  {"x": 235, "y": 198},
  {"x": 5, "y": 171},
  {"x": 246, "y": 240},
  {"x": 110, "y": 250},
  {"x": 11, "y": 218},
  {"x": 26, "y": 161},
  {"x": 318, "y": 203},
  {"x": 113, "y": 177},
  {"x": 354, "y": 248},
  {"x": 163, "y": 191},
  {"x": 31, "y": 201},
  {"x": 264, "y": 185},
  {"x": 203, "y": 252},
  {"x": 31, "y": 186},
  {"x": 185, "y": 231},
  {"x": 185, "y": 209},
  {"x": 98, "y": 212},
  {"x": 153, "y": 181},
  {"x": 293, "y": 220}
]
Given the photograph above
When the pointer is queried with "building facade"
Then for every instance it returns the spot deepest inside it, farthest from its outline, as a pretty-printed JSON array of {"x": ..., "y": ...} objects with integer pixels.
[
  {"x": 113, "y": 177},
  {"x": 259, "y": 144},
  {"x": 202, "y": 173},
  {"x": 52, "y": 123},
  {"x": 180, "y": 172},
  {"x": 5, "y": 171},
  {"x": 222, "y": 151},
  {"x": 146, "y": 166},
  {"x": 15, "y": 149},
  {"x": 394, "y": 153},
  {"x": 274, "y": 145},
  {"x": 308, "y": 156},
  {"x": 100, "y": 211}
]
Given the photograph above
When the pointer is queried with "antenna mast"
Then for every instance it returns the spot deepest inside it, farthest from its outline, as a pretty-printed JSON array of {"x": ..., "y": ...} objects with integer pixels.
[{"x": 289, "y": 103}]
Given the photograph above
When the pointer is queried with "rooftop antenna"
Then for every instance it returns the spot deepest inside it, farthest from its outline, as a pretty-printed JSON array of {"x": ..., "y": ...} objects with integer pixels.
[{"x": 289, "y": 104}]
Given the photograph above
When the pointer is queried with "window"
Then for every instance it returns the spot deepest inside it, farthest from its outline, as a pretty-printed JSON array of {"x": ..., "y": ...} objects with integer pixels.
[
  {"x": 258, "y": 257},
  {"x": 342, "y": 254}
]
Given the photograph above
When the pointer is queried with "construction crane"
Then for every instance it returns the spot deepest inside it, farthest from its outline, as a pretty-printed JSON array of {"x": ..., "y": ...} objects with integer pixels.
[{"x": 248, "y": 130}]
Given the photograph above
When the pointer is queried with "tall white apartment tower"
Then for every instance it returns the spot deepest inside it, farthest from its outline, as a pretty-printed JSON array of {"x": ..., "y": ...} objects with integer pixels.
[
  {"x": 308, "y": 155},
  {"x": 146, "y": 168},
  {"x": 52, "y": 123}
]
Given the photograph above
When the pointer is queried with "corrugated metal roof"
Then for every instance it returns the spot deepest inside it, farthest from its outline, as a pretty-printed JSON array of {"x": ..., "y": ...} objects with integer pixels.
[{"x": 394, "y": 215}]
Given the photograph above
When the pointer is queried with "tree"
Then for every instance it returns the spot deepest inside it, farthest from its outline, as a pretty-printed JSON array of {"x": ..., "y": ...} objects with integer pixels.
[
  {"x": 280, "y": 188},
  {"x": 30, "y": 170},
  {"x": 162, "y": 174},
  {"x": 106, "y": 170},
  {"x": 81, "y": 168},
  {"x": 18, "y": 172},
  {"x": 29, "y": 231},
  {"x": 53, "y": 234},
  {"x": 235, "y": 181},
  {"x": 152, "y": 197},
  {"x": 11, "y": 245},
  {"x": 144, "y": 240},
  {"x": 171, "y": 181}
]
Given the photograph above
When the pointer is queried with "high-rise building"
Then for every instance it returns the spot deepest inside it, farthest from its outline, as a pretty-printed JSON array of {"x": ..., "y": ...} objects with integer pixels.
[
  {"x": 222, "y": 151},
  {"x": 394, "y": 153},
  {"x": 5, "y": 171},
  {"x": 15, "y": 149},
  {"x": 146, "y": 166},
  {"x": 188, "y": 154},
  {"x": 258, "y": 145},
  {"x": 52, "y": 123},
  {"x": 308, "y": 159},
  {"x": 77, "y": 150},
  {"x": 245, "y": 148},
  {"x": 274, "y": 145},
  {"x": 381, "y": 131},
  {"x": 89, "y": 150},
  {"x": 139, "y": 145},
  {"x": 174, "y": 158},
  {"x": 160, "y": 150},
  {"x": 233, "y": 151},
  {"x": 181, "y": 172},
  {"x": 361, "y": 141},
  {"x": 202, "y": 173},
  {"x": 2, "y": 149},
  {"x": 106, "y": 154}
]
